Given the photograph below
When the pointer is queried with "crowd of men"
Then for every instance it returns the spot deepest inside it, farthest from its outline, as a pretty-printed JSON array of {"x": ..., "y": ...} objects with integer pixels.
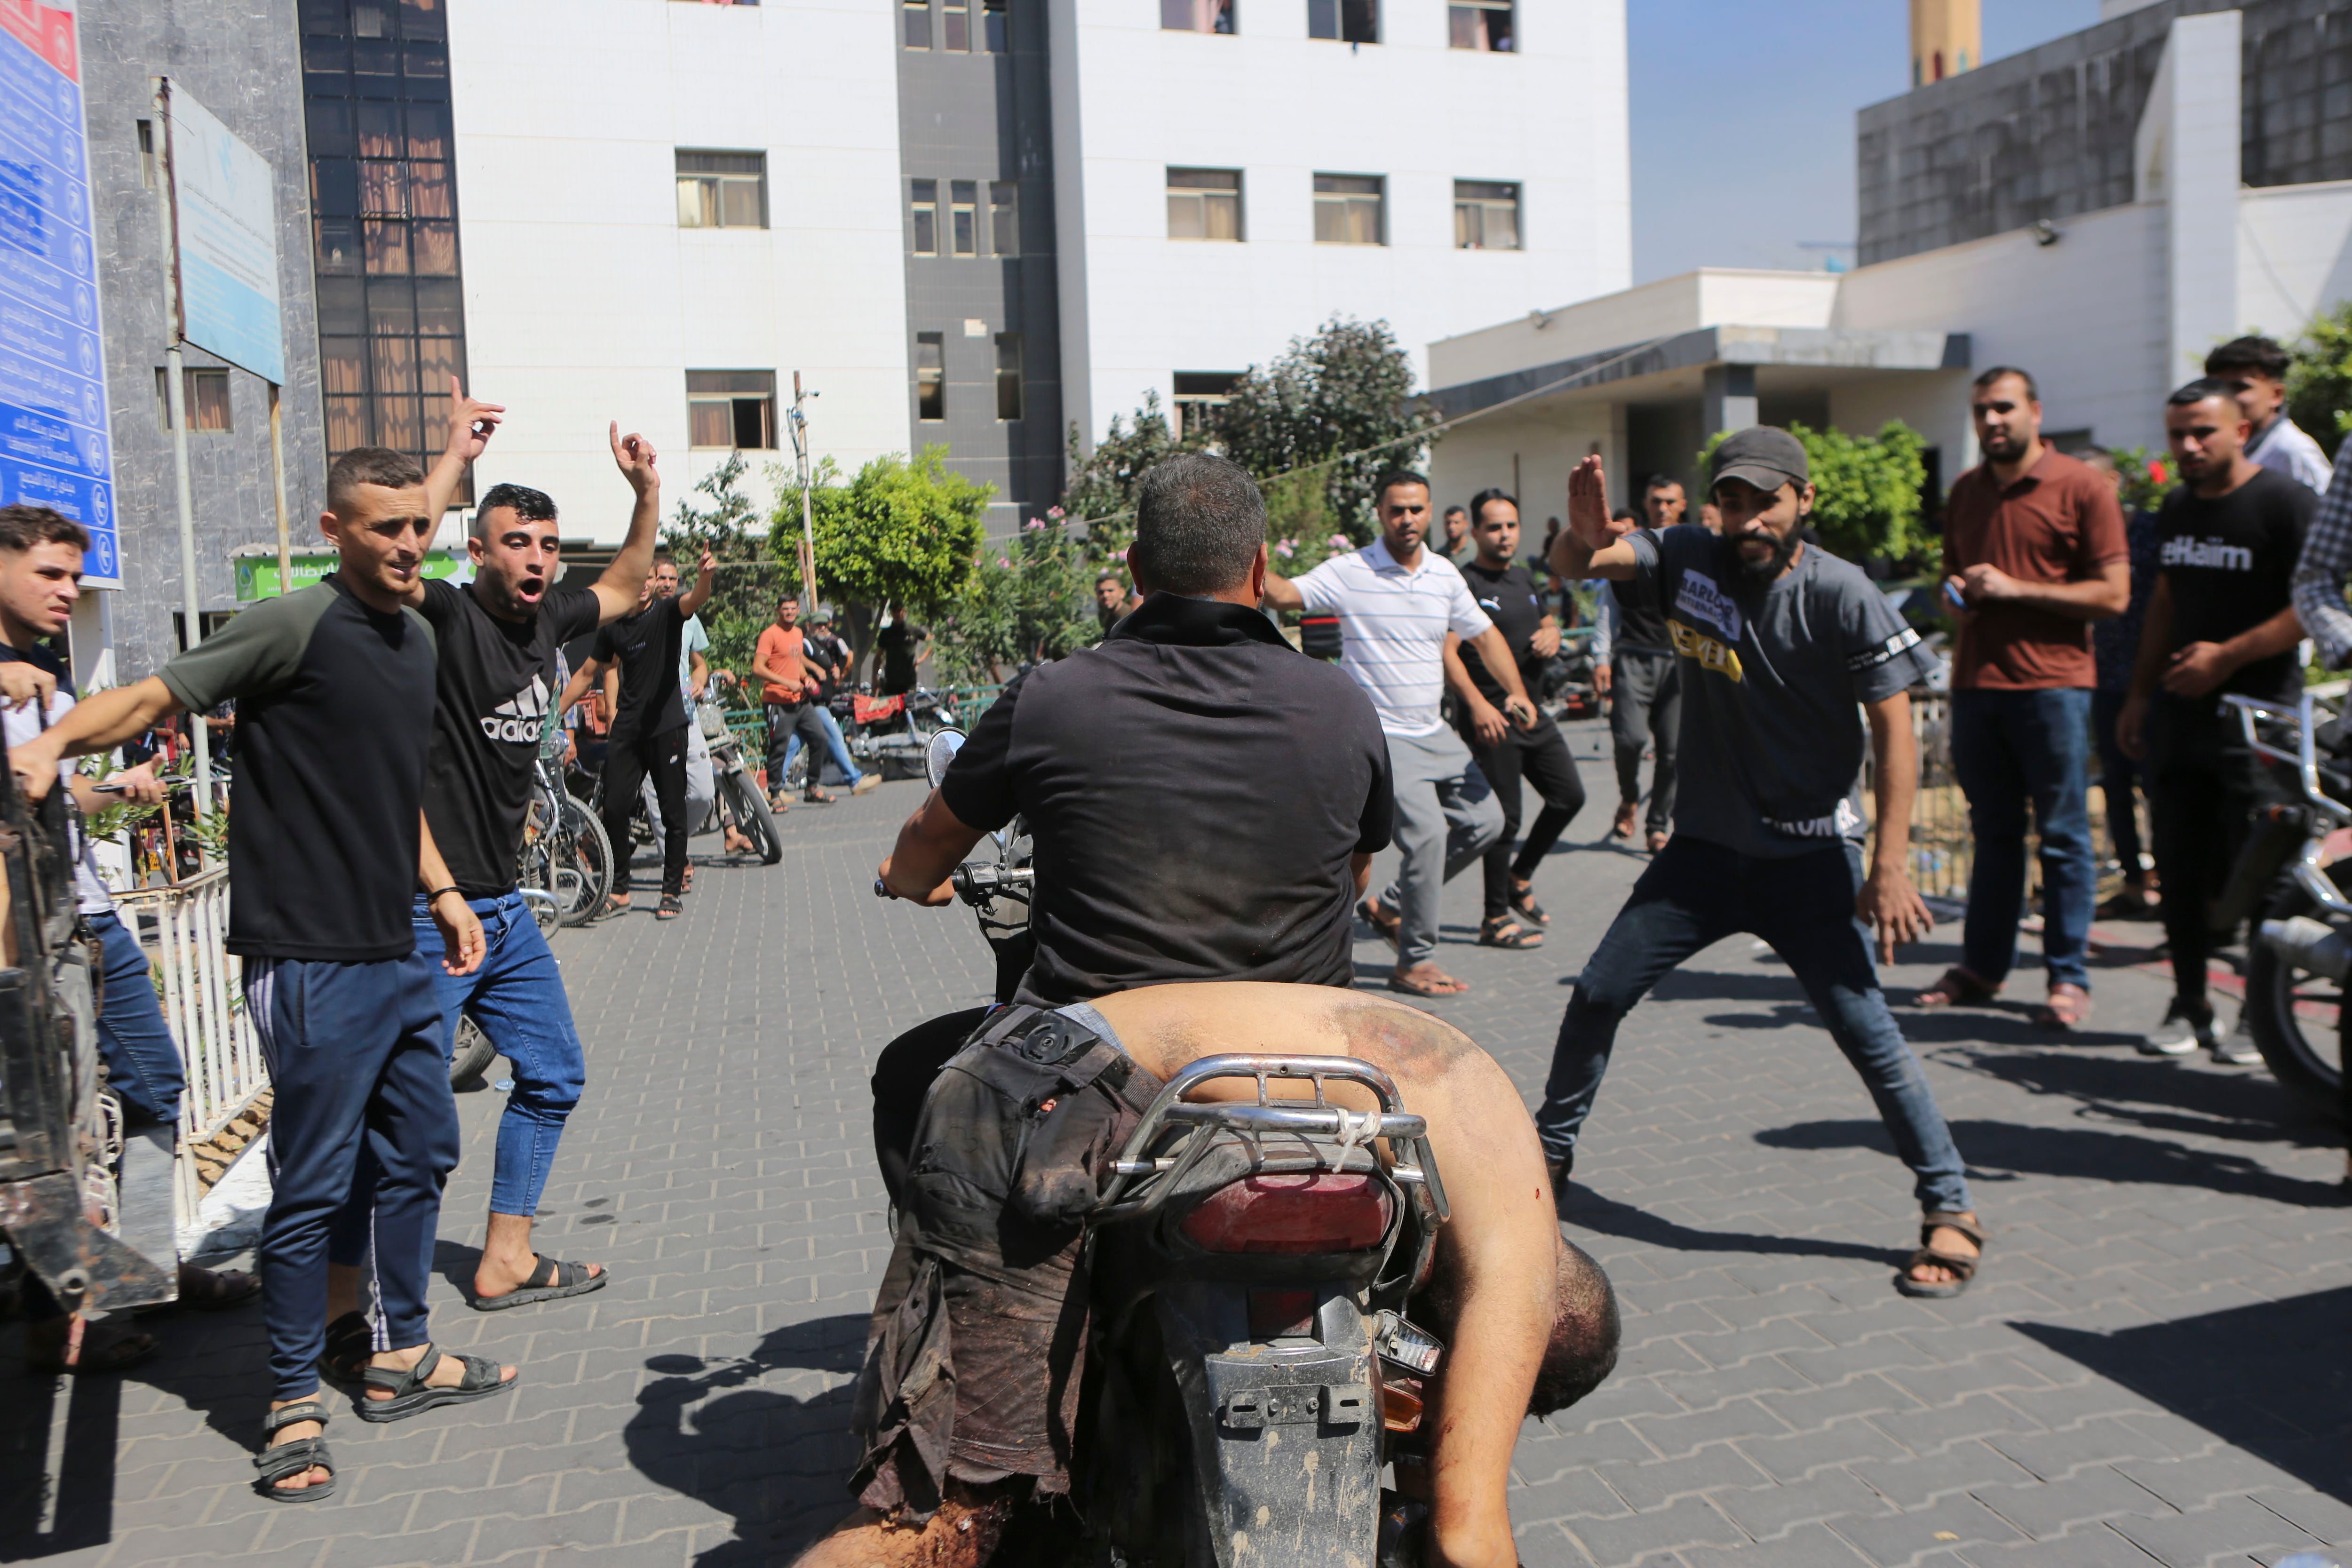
[{"x": 383, "y": 787}]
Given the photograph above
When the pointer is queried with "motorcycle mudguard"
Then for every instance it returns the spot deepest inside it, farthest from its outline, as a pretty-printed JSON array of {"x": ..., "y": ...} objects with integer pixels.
[
  {"x": 1285, "y": 1437},
  {"x": 2274, "y": 837}
]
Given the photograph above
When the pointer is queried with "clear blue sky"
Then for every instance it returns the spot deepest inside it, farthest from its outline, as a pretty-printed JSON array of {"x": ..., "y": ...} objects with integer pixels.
[{"x": 1743, "y": 117}]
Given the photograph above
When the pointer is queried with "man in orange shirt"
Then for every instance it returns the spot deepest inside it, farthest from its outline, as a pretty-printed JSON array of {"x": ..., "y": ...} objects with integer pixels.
[
  {"x": 2033, "y": 541},
  {"x": 790, "y": 691}
]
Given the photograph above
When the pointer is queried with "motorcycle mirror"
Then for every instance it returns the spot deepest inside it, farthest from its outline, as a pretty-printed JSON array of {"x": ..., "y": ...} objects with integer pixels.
[{"x": 942, "y": 750}]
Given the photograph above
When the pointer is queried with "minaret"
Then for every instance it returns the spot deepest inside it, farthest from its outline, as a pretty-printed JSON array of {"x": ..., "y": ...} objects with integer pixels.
[{"x": 1946, "y": 38}]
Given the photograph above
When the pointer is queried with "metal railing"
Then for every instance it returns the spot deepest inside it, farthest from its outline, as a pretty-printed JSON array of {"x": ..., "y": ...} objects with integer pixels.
[
  {"x": 1943, "y": 847},
  {"x": 200, "y": 986}
]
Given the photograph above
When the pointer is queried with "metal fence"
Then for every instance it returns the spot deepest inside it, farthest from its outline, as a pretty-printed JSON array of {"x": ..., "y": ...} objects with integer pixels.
[
  {"x": 1943, "y": 850},
  {"x": 185, "y": 928}
]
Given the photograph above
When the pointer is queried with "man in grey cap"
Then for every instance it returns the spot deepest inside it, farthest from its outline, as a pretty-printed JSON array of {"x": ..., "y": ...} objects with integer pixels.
[{"x": 1778, "y": 642}]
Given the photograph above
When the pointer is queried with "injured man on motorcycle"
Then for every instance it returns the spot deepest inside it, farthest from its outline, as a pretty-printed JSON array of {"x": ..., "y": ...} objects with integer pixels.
[{"x": 952, "y": 1450}]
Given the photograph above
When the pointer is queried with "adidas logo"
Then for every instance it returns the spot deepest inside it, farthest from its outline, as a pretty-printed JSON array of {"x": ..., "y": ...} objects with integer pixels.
[{"x": 521, "y": 717}]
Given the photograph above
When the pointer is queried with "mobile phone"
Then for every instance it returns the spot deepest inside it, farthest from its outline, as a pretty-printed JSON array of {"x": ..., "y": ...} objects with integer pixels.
[{"x": 1953, "y": 595}]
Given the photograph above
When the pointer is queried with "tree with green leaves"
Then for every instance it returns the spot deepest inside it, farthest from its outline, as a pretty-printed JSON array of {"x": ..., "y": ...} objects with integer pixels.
[
  {"x": 1101, "y": 489},
  {"x": 1865, "y": 491},
  {"x": 1028, "y": 602},
  {"x": 902, "y": 531},
  {"x": 744, "y": 598},
  {"x": 2319, "y": 382}
]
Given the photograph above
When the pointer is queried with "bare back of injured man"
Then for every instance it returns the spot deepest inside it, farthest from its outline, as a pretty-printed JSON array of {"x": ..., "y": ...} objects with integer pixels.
[{"x": 1530, "y": 1319}]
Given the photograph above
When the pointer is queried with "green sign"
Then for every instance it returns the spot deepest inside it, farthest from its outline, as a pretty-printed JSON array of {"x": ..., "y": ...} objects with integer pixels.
[{"x": 256, "y": 575}]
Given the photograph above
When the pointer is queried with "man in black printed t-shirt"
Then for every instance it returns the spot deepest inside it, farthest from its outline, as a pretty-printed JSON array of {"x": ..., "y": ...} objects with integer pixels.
[
  {"x": 1506, "y": 592},
  {"x": 2221, "y": 619},
  {"x": 648, "y": 735},
  {"x": 500, "y": 638},
  {"x": 326, "y": 846}
]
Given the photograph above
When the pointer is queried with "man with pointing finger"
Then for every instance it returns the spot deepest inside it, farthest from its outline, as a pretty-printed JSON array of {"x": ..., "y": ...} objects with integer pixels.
[{"x": 1779, "y": 643}]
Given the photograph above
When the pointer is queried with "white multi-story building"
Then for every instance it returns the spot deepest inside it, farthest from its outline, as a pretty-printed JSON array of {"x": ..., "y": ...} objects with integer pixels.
[{"x": 976, "y": 223}]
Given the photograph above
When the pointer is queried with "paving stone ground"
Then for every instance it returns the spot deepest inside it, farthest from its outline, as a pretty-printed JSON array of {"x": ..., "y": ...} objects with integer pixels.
[{"x": 2152, "y": 1368}]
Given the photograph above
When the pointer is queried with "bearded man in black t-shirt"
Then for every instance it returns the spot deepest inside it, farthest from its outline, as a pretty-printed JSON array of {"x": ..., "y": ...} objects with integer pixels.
[
  {"x": 1506, "y": 592},
  {"x": 500, "y": 637},
  {"x": 2221, "y": 619}
]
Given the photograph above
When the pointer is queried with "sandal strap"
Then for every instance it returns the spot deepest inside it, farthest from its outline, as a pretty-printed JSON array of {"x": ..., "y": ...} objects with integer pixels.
[
  {"x": 396, "y": 1382},
  {"x": 282, "y": 1461},
  {"x": 300, "y": 1410},
  {"x": 1942, "y": 1219},
  {"x": 480, "y": 1374},
  {"x": 549, "y": 1272},
  {"x": 1966, "y": 1268}
]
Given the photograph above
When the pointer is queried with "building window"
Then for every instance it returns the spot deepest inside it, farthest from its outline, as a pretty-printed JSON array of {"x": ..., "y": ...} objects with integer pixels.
[
  {"x": 927, "y": 218},
  {"x": 996, "y": 22},
  {"x": 955, "y": 34},
  {"x": 206, "y": 392},
  {"x": 731, "y": 410},
  {"x": 147, "y": 153},
  {"x": 930, "y": 376},
  {"x": 1479, "y": 25},
  {"x": 963, "y": 215},
  {"x": 1199, "y": 395},
  {"x": 722, "y": 190},
  {"x": 1196, "y": 16},
  {"x": 1205, "y": 203},
  {"x": 1008, "y": 376},
  {"x": 384, "y": 201},
  {"x": 1349, "y": 21},
  {"x": 1485, "y": 215},
  {"x": 918, "y": 15},
  {"x": 1004, "y": 217},
  {"x": 1347, "y": 209}
]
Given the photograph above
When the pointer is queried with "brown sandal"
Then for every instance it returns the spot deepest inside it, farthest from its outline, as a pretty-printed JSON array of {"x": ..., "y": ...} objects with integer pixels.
[
  {"x": 1930, "y": 1223},
  {"x": 1387, "y": 924},
  {"x": 1957, "y": 988},
  {"x": 1504, "y": 932},
  {"x": 1429, "y": 988},
  {"x": 2068, "y": 1006}
]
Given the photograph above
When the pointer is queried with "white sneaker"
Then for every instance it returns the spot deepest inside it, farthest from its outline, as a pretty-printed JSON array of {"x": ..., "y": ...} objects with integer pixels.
[
  {"x": 2180, "y": 1035},
  {"x": 2237, "y": 1047}
]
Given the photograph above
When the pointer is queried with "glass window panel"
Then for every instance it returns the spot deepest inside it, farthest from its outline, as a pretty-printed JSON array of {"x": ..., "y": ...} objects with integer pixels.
[
  {"x": 1484, "y": 25},
  {"x": 384, "y": 188},
  {"x": 336, "y": 249},
  {"x": 163, "y": 399},
  {"x": 428, "y": 191},
  {"x": 1004, "y": 217},
  {"x": 919, "y": 23},
  {"x": 1322, "y": 18},
  {"x": 436, "y": 408},
  {"x": 1359, "y": 21},
  {"x": 428, "y": 61},
  {"x": 391, "y": 307},
  {"x": 731, "y": 383},
  {"x": 379, "y": 129},
  {"x": 434, "y": 249},
  {"x": 346, "y": 424},
  {"x": 439, "y": 359},
  {"x": 925, "y": 207},
  {"x": 398, "y": 424},
  {"x": 741, "y": 206},
  {"x": 1223, "y": 211},
  {"x": 930, "y": 376},
  {"x": 374, "y": 59},
  {"x": 320, "y": 54},
  {"x": 754, "y": 424},
  {"x": 964, "y": 227},
  {"x": 369, "y": 19},
  {"x": 955, "y": 30},
  {"x": 428, "y": 131},
  {"x": 440, "y": 309},
  {"x": 387, "y": 247},
  {"x": 698, "y": 204},
  {"x": 423, "y": 18},
  {"x": 710, "y": 422},
  {"x": 325, "y": 16},
  {"x": 1008, "y": 376},
  {"x": 721, "y": 162},
  {"x": 206, "y": 392},
  {"x": 329, "y": 125},
  {"x": 342, "y": 365},
  {"x": 1186, "y": 220},
  {"x": 392, "y": 366},
  {"x": 999, "y": 27},
  {"x": 1206, "y": 179},
  {"x": 334, "y": 187},
  {"x": 341, "y": 307}
]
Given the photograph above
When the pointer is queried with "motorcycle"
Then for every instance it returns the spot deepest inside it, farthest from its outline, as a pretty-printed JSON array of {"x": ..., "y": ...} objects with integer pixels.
[
  {"x": 2302, "y": 954},
  {"x": 737, "y": 801},
  {"x": 1250, "y": 1368},
  {"x": 886, "y": 733},
  {"x": 1568, "y": 687}
]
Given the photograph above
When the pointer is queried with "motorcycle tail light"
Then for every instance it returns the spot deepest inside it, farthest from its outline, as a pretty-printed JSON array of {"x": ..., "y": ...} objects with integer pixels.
[{"x": 1297, "y": 1213}]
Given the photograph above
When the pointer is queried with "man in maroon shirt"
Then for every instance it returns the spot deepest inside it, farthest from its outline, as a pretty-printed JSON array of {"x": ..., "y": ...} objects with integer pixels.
[{"x": 2033, "y": 541}]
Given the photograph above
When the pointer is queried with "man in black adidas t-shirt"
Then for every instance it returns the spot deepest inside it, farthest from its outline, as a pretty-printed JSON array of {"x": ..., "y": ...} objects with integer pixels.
[
  {"x": 1505, "y": 591},
  {"x": 2221, "y": 619},
  {"x": 495, "y": 691}
]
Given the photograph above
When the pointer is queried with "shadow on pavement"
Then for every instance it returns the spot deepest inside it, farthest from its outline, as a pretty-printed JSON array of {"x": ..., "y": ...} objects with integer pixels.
[
  {"x": 1588, "y": 1208},
  {"x": 83, "y": 1488},
  {"x": 776, "y": 1463},
  {"x": 2271, "y": 1379},
  {"x": 2167, "y": 1097},
  {"x": 2005, "y": 1149}
]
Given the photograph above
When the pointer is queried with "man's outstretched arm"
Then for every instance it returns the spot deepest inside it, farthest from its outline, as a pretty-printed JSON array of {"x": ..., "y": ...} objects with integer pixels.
[
  {"x": 931, "y": 845},
  {"x": 616, "y": 588},
  {"x": 705, "y": 580},
  {"x": 472, "y": 423},
  {"x": 101, "y": 724},
  {"x": 1591, "y": 546}
]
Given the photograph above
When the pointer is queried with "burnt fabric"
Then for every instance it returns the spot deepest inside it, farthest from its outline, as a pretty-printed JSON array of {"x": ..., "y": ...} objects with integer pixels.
[{"x": 974, "y": 1353}]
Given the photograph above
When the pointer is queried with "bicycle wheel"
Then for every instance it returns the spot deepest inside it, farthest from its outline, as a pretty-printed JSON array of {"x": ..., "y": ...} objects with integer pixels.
[
  {"x": 587, "y": 863},
  {"x": 752, "y": 817}
]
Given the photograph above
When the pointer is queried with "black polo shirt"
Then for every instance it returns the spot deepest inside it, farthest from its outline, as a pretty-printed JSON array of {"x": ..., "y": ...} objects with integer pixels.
[{"x": 1195, "y": 789}]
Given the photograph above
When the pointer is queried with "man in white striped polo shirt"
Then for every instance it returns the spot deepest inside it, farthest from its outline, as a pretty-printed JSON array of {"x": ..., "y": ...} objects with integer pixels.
[{"x": 1396, "y": 603}]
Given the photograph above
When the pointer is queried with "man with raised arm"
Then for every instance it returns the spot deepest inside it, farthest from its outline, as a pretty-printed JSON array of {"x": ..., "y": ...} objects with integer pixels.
[
  {"x": 1784, "y": 648},
  {"x": 499, "y": 639},
  {"x": 327, "y": 847}
]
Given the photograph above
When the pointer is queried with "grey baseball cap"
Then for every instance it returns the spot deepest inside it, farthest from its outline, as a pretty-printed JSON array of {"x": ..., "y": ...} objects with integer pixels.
[{"x": 1765, "y": 456}]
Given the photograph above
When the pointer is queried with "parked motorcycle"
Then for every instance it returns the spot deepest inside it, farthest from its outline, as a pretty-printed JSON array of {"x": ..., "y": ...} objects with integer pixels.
[
  {"x": 738, "y": 802},
  {"x": 1249, "y": 1366},
  {"x": 1568, "y": 689},
  {"x": 2302, "y": 954},
  {"x": 888, "y": 734}
]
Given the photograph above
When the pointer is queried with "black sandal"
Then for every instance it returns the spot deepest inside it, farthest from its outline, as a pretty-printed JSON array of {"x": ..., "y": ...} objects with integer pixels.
[
  {"x": 283, "y": 1461},
  {"x": 550, "y": 1281},
  {"x": 1931, "y": 1222},
  {"x": 411, "y": 1396},
  {"x": 1386, "y": 923},
  {"x": 1506, "y": 931},
  {"x": 351, "y": 1339},
  {"x": 1524, "y": 905},
  {"x": 672, "y": 906}
]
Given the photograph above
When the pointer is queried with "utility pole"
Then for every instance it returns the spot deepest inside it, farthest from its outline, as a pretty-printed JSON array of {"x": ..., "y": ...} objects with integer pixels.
[{"x": 798, "y": 423}]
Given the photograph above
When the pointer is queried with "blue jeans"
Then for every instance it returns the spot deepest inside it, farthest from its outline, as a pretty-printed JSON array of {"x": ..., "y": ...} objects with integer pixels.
[
  {"x": 517, "y": 997},
  {"x": 1694, "y": 895},
  {"x": 833, "y": 743},
  {"x": 361, "y": 1077},
  {"x": 2010, "y": 749},
  {"x": 142, "y": 1060}
]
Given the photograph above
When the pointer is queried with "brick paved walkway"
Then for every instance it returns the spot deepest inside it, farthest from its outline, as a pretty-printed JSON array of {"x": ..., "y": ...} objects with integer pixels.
[{"x": 2153, "y": 1368}]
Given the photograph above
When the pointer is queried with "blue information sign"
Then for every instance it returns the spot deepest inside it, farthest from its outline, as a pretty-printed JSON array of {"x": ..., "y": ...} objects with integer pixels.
[{"x": 54, "y": 445}]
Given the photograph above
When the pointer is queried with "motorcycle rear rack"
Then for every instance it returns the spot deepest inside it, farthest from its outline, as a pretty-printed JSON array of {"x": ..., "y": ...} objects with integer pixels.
[
  {"x": 1414, "y": 1164},
  {"x": 2314, "y": 775}
]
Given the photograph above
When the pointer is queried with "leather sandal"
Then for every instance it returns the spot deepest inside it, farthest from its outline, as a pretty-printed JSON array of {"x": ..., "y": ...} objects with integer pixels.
[
  {"x": 283, "y": 1461},
  {"x": 1524, "y": 905},
  {"x": 351, "y": 1339},
  {"x": 411, "y": 1395},
  {"x": 1930, "y": 1223},
  {"x": 1506, "y": 931},
  {"x": 2068, "y": 1006},
  {"x": 550, "y": 1281},
  {"x": 1957, "y": 988}
]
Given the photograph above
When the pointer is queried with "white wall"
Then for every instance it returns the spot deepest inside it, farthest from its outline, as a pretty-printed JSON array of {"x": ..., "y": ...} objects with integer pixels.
[
  {"x": 1529, "y": 454},
  {"x": 1282, "y": 107},
  {"x": 2295, "y": 255},
  {"x": 585, "y": 301},
  {"x": 1713, "y": 296}
]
